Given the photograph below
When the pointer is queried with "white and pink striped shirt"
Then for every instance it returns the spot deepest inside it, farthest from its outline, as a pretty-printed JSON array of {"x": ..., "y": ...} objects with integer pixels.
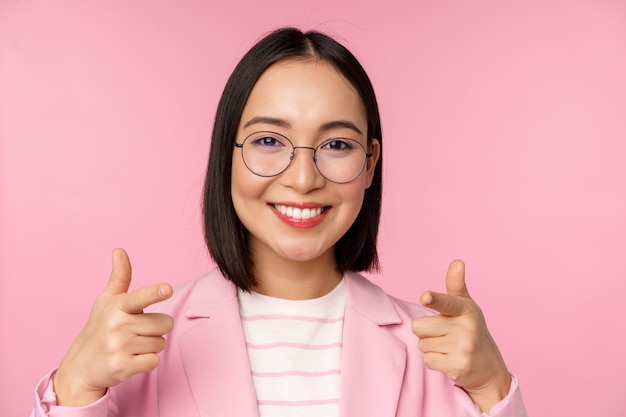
[{"x": 294, "y": 348}]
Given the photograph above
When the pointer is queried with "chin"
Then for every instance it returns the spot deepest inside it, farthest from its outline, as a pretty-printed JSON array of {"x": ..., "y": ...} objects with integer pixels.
[
  {"x": 304, "y": 254},
  {"x": 301, "y": 257}
]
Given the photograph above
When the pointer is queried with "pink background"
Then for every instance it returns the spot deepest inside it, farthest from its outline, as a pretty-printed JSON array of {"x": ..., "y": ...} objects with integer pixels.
[{"x": 505, "y": 132}]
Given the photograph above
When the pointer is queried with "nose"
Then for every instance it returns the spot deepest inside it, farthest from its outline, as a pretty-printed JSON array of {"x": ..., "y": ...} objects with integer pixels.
[{"x": 302, "y": 174}]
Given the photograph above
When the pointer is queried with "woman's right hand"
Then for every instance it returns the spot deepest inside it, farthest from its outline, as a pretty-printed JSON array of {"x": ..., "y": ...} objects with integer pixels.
[{"x": 118, "y": 341}]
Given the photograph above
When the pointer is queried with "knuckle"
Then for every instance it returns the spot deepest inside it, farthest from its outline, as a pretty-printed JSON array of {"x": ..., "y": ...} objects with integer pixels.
[
  {"x": 115, "y": 345},
  {"x": 151, "y": 361},
  {"x": 169, "y": 323},
  {"x": 151, "y": 295},
  {"x": 454, "y": 376},
  {"x": 118, "y": 367},
  {"x": 464, "y": 366},
  {"x": 468, "y": 347},
  {"x": 429, "y": 361},
  {"x": 420, "y": 345},
  {"x": 114, "y": 325},
  {"x": 161, "y": 344},
  {"x": 415, "y": 326},
  {"x": 102, "y": 308},
  {"x": 156, "y": 361},
  {"x": 154, "y": 293}
]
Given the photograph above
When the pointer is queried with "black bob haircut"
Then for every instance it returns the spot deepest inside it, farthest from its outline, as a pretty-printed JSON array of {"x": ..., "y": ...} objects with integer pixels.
[{"x": 225, "y": 235}]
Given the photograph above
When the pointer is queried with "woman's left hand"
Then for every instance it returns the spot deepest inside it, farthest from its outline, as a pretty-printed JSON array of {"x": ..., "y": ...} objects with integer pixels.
[{"x": 457, "y": 342}]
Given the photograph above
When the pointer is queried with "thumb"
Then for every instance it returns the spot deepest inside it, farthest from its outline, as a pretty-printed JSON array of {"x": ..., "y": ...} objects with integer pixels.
[
  {"x": 455, "y": 280},
  {"x": 119, "y": 281}
]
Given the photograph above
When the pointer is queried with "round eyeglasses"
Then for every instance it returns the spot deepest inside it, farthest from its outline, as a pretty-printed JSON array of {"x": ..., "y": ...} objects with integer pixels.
[{"x": 339, "y": 160}]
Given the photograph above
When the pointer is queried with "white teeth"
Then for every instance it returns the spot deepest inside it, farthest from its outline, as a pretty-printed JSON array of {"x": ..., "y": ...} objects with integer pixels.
[{"x": 297, "y": 213}]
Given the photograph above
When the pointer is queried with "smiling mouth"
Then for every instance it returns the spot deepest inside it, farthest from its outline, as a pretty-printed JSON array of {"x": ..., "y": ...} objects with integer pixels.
[{"x": 297, "y": 213}]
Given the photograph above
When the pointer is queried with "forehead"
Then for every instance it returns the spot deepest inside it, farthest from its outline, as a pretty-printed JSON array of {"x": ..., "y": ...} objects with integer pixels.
[
  {"x": 309, "y": 70},
  {"x": 304, "y": 91}
]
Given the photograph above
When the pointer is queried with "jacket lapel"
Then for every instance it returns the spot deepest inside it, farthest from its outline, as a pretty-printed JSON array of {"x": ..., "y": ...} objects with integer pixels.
[
  {"x": 215, "y": 360},
  {"x": 373, "y": 361},
  {"x": 214, "y": 352}
]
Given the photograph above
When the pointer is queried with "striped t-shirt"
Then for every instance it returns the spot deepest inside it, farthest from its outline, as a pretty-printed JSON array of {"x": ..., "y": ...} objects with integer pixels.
[{"x": 294, "y": 348}]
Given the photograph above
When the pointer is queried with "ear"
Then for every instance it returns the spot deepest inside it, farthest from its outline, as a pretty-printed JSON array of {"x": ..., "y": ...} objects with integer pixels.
[{"x": 372, "y": 161}]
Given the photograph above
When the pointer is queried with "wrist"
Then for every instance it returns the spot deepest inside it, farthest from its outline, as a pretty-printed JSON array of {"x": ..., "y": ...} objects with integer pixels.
[
  {"x": 488, "y": 395},
  {"x": 70, "y": 392}
]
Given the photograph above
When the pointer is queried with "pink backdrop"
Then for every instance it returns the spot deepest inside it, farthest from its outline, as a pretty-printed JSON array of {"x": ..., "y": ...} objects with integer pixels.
[{"x": 505, "y": 132}]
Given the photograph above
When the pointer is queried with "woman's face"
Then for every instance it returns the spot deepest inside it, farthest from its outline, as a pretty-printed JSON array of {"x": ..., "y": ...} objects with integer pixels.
[{"x": 308, "y": 102}]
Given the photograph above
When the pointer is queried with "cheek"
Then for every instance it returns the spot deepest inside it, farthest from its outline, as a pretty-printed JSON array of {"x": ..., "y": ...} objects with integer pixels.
[
  {"x": 242, "y": 179},
  {"x": 354, "y": 198},
  {"x": 246, "y": 188}
]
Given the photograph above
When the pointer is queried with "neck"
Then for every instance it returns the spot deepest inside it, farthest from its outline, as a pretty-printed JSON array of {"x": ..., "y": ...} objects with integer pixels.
[{"x": 297, "y": 280}]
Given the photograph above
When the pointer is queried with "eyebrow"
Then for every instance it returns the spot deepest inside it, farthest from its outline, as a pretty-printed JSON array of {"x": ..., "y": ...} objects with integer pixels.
[
  {"x": 268, "y": 120},
  {"x": 335, "y": 124}
]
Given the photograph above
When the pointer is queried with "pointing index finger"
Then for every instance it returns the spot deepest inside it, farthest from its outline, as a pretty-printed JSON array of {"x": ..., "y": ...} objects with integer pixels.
[
  {"x": 444, "y": 304},
  {"x": 135, "y": 301}
]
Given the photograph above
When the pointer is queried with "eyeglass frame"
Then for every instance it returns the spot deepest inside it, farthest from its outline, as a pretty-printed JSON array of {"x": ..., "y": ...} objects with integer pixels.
[{"x": 293, "y": 155}]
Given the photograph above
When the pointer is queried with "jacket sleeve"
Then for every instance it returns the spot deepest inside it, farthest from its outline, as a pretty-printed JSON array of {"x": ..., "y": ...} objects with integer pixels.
[
  {"x": 45, "y": 403},
  {"x": 511, "y": 406}
]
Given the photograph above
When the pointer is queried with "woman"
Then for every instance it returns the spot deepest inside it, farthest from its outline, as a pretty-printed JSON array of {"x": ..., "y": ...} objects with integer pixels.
[{"x": 285, "y": 325}]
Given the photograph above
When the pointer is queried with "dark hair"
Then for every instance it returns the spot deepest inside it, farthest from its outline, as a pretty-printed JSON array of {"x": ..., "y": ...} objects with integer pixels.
[{"x": 225, "y": 235}]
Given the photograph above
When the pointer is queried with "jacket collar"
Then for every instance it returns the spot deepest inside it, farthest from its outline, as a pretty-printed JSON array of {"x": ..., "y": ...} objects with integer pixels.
[
  {"x": 369, "y": 300},
  {"x": 210, "y": 295},
  {"x": 212, "y": 292}
]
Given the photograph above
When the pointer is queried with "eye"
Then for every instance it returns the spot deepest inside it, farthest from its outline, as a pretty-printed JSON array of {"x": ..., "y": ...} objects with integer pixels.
[
  {"x": 338, "y": 145},
  {"x": 267, "y": 141}
]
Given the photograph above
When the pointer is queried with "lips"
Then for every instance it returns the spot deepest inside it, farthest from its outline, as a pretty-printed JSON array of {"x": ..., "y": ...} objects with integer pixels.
[{"x": 299, "y": 213}]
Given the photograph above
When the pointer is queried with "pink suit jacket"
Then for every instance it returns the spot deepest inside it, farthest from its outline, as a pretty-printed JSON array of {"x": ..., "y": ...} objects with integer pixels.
[{"x": 205, "y": 370}]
